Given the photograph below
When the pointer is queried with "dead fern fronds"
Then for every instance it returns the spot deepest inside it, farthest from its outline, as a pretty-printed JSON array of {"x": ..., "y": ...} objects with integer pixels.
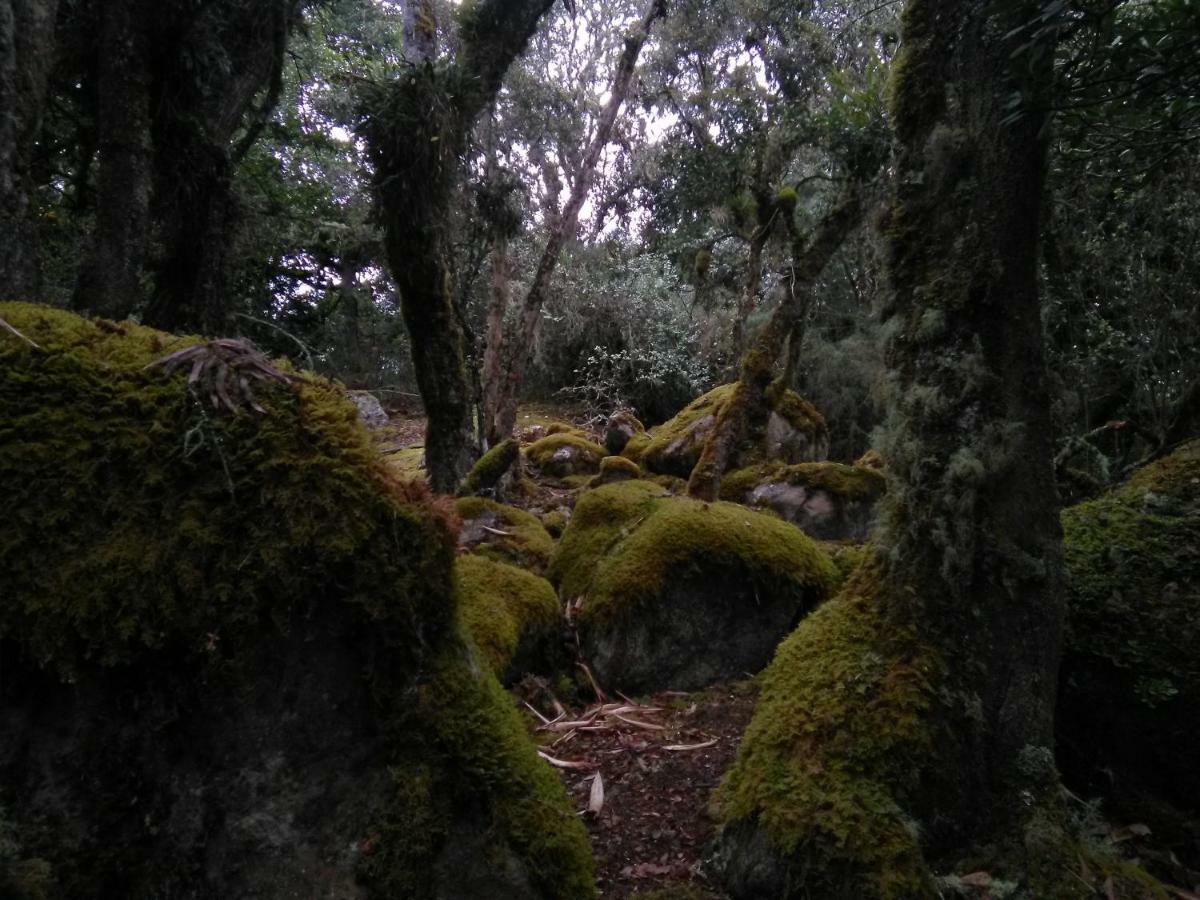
[{"x": 222, "y": 370}]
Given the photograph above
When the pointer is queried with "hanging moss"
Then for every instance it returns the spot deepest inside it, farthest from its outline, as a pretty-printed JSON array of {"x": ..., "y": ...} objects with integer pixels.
[
  {"x": 161, "y": 552},
  {"x": 523, "y": 541},
  {"x": 510, "y": 614},
  {"x": 625, "y": 539},
  {"x": 1129, "y": 700}
]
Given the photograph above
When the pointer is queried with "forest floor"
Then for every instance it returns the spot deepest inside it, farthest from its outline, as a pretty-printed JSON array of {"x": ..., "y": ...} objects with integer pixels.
[{"x": 657, "y": 758}]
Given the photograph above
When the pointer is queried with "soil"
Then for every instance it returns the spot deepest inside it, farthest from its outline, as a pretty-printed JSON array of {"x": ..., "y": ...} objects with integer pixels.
[{"x": 659, "y": 759}]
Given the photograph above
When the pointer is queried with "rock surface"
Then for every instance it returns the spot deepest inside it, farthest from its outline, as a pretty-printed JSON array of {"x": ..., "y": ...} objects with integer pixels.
[
  {"x": 827, "y": 501},
  {"x": 370, "y": 410}
]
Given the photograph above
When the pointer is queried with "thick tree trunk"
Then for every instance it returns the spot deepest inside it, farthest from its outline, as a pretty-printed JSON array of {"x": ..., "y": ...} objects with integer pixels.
[
  {"x": 907, "y": 725},
  {"x": 416, "y": 130},
  {"x": 502, "y": 417},
  {"x": 748, "y": 408},
  {"x": 109, "y": 282},
  {"x": 26, "y": 54}
]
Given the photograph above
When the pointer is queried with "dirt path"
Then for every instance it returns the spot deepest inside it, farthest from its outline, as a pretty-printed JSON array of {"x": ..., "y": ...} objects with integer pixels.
[{"x": 658, "y": 760}]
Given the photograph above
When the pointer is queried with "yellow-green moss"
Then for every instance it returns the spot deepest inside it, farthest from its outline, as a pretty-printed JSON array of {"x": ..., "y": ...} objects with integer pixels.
[
  {"x": 636, "y": 446},
  {"x": 614, "y": 469},
  {"x": 836, "y": 742},
  {"x": 848, "y": 482},
  {"x": 491, "y": 467},
  {"x": 408, "y": 463},
  {"x": 140, "y": 518},
  {"x": 846, "y": 557},
  {"x": 675, "y": 446},
  {"x": 587, "y": 454},
  {"x": 141, "y": 526},
  {"x": 567, "y": 428},
  {"x": 1130, "y": 687},
  {"x": 555, "y": 522},
  {"x": 482, "y": 750},
  {"x": 501, "y": 607},
  {"x": 625, "y": 538},
  {"x": 526, "y": 543}
]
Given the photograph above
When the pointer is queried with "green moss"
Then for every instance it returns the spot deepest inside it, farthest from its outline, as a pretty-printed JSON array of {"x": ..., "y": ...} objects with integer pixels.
[
  {"x": 408, "y": 463},
  {"x": 584, "y": 455},
  {"x": 675, "y": 446},
  {"x": 525, "y": 543},
  {"x": 835, "y": 746},
  {"x": 144, "y": 520},
  {"x": 849, "y": 482},
  {"x": 502, "y": 607},
  {"x": 490, "y": 468},
  {"x": 600, "y": 519},
  {"x": 555, "y": 522},
  {"x": 625, "y": 539},
  {"x": 846, "y": 557},
  {"x": 143, "y": 525},
  {"x": 1130, "y": 686},
  {"x": 614, "y": 469},
  {"x": 636, "y": 446},
  {"x": 567, "y": 428}
]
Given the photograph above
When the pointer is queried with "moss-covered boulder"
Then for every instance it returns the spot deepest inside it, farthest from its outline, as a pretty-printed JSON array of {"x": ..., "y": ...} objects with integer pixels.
[
  {"x": 828, "y": 501},
  {"x": 614, "y": 469},
  {"x": 1129, "y": 695},
  {"x": 795, "y": 433},
  {"x": 504, "y": 533},
  {"x": 511, "y": 615},
  {"x": 619, "y": 429},
  {"x": 669, "y": 592},
  {"x": 565, "y": 454},
  {"x": 232, "y": 659},
  {"x": 497, "y": 474}
]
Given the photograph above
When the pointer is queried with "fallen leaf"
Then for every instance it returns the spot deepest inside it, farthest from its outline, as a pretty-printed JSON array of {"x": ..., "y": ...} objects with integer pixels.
[
  {"x": 596, "y": 796},
  {"x": 691, "y": 746}
]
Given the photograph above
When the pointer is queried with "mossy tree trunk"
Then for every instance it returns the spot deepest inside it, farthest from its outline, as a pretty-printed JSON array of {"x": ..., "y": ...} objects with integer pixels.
[
  {"x": 26, "y": 54},
  {"x": 109, "y": 280},
  {"x": 972, "y": 530},
  {"x": 500, "y": 415},
  {"x": 417, "y": 128},
  {"x": 749, "y": 407}
]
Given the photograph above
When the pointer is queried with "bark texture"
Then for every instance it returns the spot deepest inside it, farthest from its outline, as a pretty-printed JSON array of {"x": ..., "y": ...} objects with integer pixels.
[
  {"x": 26, "y": 54},
  {"x": 417, "y": 128}
]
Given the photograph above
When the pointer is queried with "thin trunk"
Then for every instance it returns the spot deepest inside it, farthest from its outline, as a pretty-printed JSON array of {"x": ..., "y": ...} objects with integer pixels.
[
  {"x": 26, "y": 54},
  {"x": 748, "y": 299},
  {"x": 110, "y": 279},
  {"x": 748, "y": 407},
  {"x": 348, "y": 267},
  {"x": 531, "y": 308},
  {"x": 501, "y": 297}
]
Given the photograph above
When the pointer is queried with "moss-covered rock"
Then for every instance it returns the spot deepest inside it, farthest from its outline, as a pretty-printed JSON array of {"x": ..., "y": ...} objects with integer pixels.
[
  {"x": 504, "y": 533},
  {"x": 636, "y": 446},
  {"x": 619, "y": 429},
  {"x": 1129, "y": 695},
  {"x": 795, "y": 432},
  {"x": 511, "y": 615},
  {"x": 562, "y": 455},
  {"x": 614, "y": 469},
  {"x": 232, "y": 658},
  {"x": 496, "y": 473},
  {"x": 555, "y": 521},
  {"x": 826, "y": 500},
  {"x": 815, "y": 802},
  {"x": 676, "y": 593}
]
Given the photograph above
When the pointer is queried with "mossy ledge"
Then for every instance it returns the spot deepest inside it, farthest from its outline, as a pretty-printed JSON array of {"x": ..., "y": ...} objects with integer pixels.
[
  {"x": 849, "y": 482},
  {"x": 236, "y": 620},
  {"x": 523, "y": 541},
  {"x": 564, "y": 454}
]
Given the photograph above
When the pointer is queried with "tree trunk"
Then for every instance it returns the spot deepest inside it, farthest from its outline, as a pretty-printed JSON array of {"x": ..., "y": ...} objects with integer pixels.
[
  {"x": 748, "y": 408},
  {"x": 416, "y": 130},
  {"x": 908, "y": 724},
  {"x": 502, "y": 417},
  {"x": 109, "y": 282},
  {"x": 26, "y": 54},
  {"x": 493, "y": 351}
]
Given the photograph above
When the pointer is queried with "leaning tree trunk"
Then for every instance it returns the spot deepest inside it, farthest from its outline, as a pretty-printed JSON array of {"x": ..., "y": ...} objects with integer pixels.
[
  {"x": 907, "y": 725},
  {"x": 26, "y": 54},
  {"x": 746, "y": 412},
  {"x": 501, "y": 416},
  {"x": 417, "y": 129}
]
